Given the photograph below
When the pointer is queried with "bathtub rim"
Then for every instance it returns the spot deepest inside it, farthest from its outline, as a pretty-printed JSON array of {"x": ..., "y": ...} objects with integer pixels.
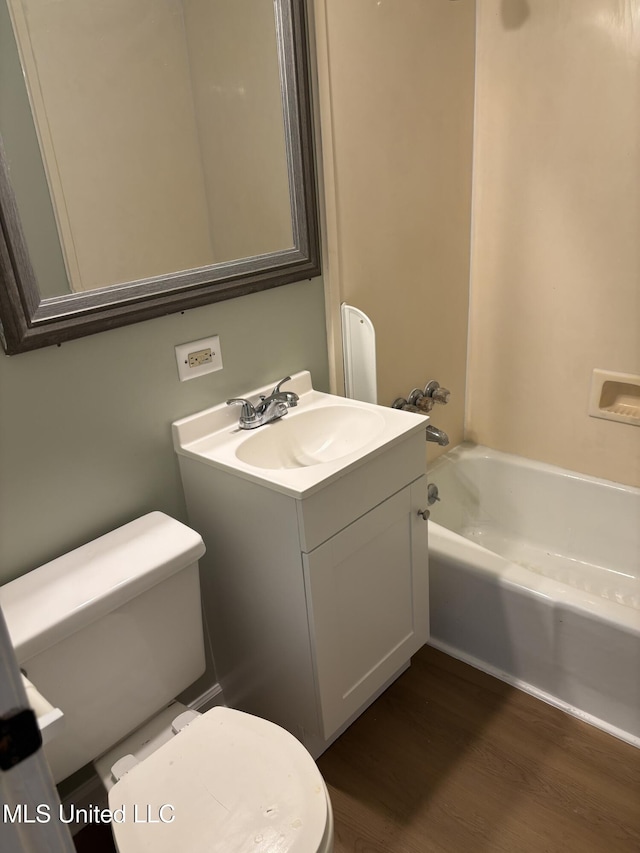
[{"x": 470, "y": 449}]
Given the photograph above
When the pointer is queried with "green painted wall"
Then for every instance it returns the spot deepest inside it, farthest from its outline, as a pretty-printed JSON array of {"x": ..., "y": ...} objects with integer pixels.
[{"x": 85, "y": 437}]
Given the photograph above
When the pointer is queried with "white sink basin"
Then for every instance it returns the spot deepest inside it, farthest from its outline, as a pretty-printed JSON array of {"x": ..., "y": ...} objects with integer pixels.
[
  {"x": 314, "y": 443},
  {"x": 313, "y": 437}
]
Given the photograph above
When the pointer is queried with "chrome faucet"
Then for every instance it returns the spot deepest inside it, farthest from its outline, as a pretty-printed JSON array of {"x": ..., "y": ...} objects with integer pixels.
[
  {"x": 437, "y": 435},
  {"x": 269, "y": 409},
  {"x": 421, "y": 402},
  {"x": 251, "y": 418}
]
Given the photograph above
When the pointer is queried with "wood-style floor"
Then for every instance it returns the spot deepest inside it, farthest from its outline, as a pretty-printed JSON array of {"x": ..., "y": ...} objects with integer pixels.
[{"x": 450, "y": 760}]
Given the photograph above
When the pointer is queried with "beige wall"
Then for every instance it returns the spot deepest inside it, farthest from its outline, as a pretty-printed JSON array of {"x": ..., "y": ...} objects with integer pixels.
[
  {"x": 556, "y": 245},
  {"x": 235, "y": 80},
  {"x": 396, "y": 92},
  {"x": 162, "y": 132},
  {"x": 111, "y": 91}
]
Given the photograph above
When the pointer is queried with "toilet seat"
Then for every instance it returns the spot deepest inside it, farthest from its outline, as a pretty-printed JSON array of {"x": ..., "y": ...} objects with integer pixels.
[{"x": 227, "y": 782}]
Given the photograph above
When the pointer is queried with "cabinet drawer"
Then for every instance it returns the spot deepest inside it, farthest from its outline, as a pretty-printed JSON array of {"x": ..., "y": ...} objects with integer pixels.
[{"x": 324, "y": 513}]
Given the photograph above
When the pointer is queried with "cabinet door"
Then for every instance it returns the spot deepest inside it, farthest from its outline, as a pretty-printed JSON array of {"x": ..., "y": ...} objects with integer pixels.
[{"x": 368, "y": 602}]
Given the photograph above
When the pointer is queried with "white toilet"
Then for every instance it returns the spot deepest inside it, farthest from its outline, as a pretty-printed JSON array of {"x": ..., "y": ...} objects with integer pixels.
[{"x": 110, "y": 633}]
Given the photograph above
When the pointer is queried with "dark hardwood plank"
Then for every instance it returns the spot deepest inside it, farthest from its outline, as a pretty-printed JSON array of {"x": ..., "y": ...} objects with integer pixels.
[{"x": 451, "y": 759}]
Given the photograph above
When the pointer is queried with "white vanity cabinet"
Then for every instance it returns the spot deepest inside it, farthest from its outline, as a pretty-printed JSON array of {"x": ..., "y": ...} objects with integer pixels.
[
  {"x": 315, "y": 578},
  {"x": 313, "y": 605}
]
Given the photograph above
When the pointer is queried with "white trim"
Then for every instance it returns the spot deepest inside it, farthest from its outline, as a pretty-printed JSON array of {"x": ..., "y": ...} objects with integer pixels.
[
  {"x": 327, "y": 188},
  {"x": 472, "y": 235},
  {"x": 205, "y": 701},
  {"x": 27, "y": 784}
]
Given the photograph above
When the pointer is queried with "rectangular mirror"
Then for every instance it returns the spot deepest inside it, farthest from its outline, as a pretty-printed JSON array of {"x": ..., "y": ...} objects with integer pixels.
[{"x": 156, "y": 155}]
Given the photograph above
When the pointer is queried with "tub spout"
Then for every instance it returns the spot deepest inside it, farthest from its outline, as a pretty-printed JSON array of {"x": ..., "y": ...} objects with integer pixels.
[{"x": 437, "y": 435}]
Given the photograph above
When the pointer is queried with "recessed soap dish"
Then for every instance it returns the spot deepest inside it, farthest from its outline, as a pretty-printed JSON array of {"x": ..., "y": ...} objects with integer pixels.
[{"x": 615, "y": 396}]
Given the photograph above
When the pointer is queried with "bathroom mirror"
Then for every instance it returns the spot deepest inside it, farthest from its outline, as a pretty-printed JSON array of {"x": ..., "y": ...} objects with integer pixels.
[{"x": 155, "y": 155}]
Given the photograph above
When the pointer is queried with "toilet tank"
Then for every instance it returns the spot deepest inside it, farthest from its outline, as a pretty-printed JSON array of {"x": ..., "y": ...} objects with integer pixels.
[{"x": 110, "y": 632}]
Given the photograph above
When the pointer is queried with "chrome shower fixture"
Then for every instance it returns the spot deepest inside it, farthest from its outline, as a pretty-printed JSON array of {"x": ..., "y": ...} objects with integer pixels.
[{"x": 423, "y": 400}]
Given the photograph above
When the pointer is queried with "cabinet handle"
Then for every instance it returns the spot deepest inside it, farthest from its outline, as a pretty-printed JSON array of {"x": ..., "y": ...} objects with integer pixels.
[{"x": 424, "y": 513}]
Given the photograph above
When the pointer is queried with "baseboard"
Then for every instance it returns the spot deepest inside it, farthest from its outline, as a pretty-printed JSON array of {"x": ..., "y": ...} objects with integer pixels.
[{"x": 207, "y": 700}]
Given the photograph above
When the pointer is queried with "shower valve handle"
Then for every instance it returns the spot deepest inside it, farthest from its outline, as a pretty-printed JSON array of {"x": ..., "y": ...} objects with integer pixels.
[{"x": 436, "y": 392}]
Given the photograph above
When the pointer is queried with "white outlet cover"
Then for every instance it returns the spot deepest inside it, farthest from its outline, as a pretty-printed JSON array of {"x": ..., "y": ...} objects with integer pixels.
[{"x": 182, "y": 358}]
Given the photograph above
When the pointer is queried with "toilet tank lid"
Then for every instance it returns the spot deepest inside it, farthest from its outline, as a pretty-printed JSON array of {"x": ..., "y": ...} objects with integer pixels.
[{"x": 54, "y": 601}]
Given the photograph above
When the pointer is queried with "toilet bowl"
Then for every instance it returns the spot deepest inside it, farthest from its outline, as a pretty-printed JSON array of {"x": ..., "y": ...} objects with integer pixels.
[
  {"x": 228, "y": 781},
  {"x": 109, "y": 634}
]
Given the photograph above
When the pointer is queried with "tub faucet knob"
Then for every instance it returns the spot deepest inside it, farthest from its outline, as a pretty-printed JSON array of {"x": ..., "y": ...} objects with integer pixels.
[
  {"x": 420, "y": 400},
  {"x": 399, "y": 403},
  {"x": 436, "y": 392}
]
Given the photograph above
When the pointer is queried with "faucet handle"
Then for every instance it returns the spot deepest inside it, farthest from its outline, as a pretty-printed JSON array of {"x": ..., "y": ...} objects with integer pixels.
[
  {"x": 436, "y": 392},
  {"x": 420, "y": 400},
  {"x": 289, "y": 397},
  {"x": 276, "y": 390},
  {"x": 248, "y": 413}
]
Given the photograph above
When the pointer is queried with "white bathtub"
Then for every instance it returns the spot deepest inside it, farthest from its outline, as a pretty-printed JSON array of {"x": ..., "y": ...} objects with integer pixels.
[{"x": 535, "y": 578}]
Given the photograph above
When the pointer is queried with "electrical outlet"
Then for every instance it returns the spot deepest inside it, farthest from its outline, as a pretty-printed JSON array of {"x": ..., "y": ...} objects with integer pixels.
[
  {"x": 198, "y": 357},
  {"x": 203, "y": 356}
]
